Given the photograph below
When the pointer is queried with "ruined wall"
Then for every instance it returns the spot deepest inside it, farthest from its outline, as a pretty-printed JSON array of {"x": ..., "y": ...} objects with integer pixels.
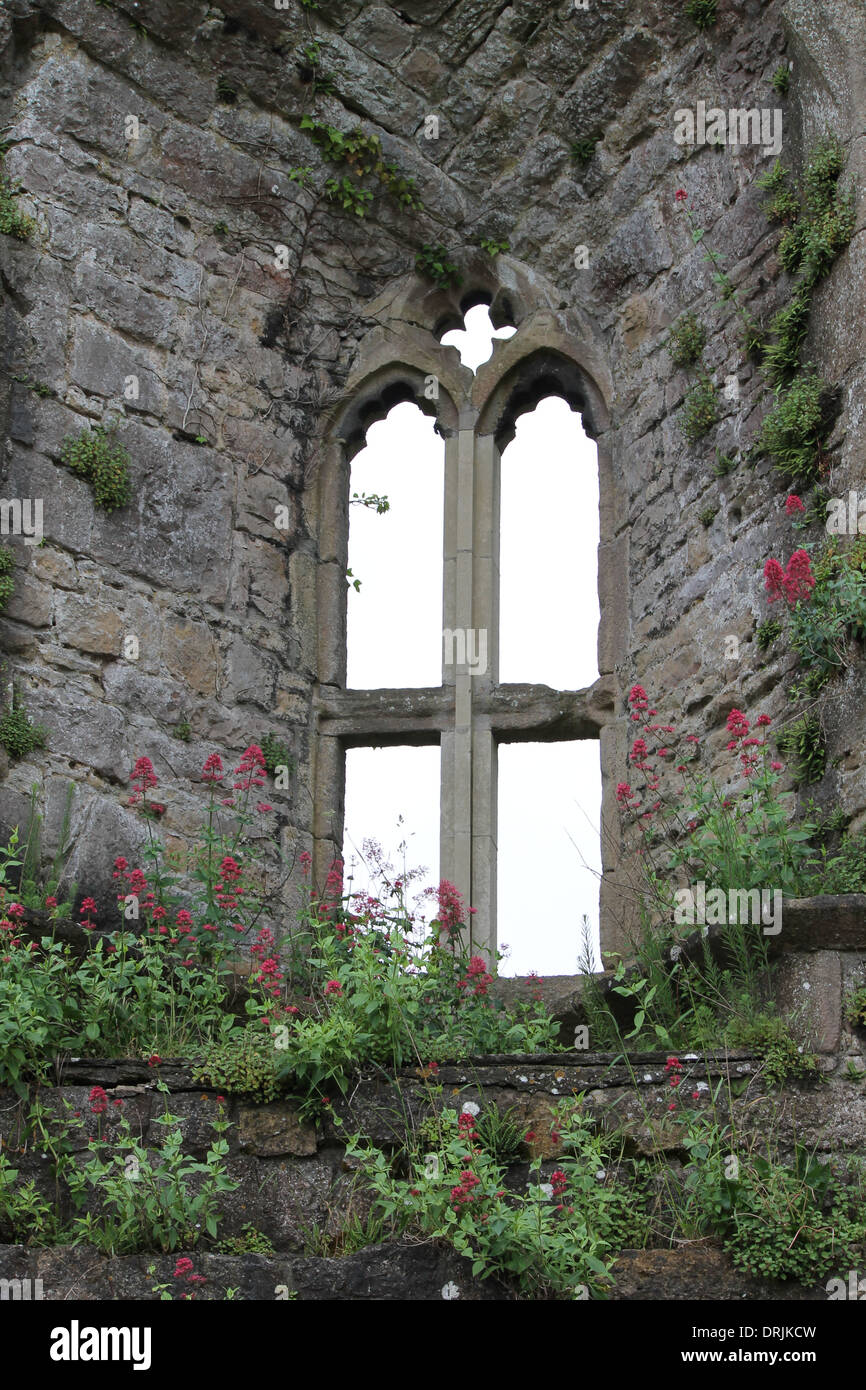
[{"x": 154, "y": 257}]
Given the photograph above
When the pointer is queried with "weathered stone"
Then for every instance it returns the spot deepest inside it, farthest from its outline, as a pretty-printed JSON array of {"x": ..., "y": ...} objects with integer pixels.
[{"x": 275, "y": 1129}]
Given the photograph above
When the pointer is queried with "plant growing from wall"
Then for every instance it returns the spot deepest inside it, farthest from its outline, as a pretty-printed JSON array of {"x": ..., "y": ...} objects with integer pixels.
[
  {"x": 818, "y": 222},
  {"x": 18, "y": 734},
  {"x": 96, "y": 455},
  {"x": 767, "y": 633},
  {"x": 855, "y": 1007},
  {"x": 434, "y": 263},
  {"x": 548, "y": 1239},
  {"x": 493, "y": 247},
  {"x": 793, "y": 433},
  {"x": 7, "y": 582},
  {"x": 804, "y": 740},
  {"x": 276, "y": 754},
  {"x": 150, "y": 1198},
  {"x": 702, "y": 13},
  {"x": 13, "y": 222},
  {"x": 827, "y": 607},
  {"x": 363, "y": 153},
  {"x": 583, "y": 148},
  {"x": 752, "y": 335},
  {"x": 781, "y": 80},
  {"x": 687, "y": 340},
  {"x": 700, "y": 410}
]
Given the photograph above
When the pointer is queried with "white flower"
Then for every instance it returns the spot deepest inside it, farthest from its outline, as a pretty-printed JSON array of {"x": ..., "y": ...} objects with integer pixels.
[
  {"x": 470, "y": 1108},
  {"x": 546, "y": 1188}
]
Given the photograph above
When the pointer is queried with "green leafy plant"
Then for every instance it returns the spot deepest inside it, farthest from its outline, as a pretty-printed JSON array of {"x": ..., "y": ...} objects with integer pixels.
[
  {"x": 220, "y": 228},
  {"x": 702, "y": 13},
  {"x": 494, "y": 248},
  {"x": 250, "y": 1242},
  {"x": 781, "y": 80},
  {"x": 363, "y": 153},
  {"x": 13, "y": 222},
  {"x": 7, "y": 581},
  {"x": 434, "y": 263},
  {"x": 767, "y": 633},
  {"x": 96, "y": 456},
  {"x": 724, "y": 464},
  {"x": 707, "y": 516},
  {"x": 374, "y": 502},
  {"x": 242, "y": 1066},
  {"x": 687, "y": 341},
  {"x": 700, "y": 410},
  {"x": 378, "y": 993},
  {"x": 547, "y": 1239},
  {"x": 841, "y": 872},
  {"x": 583, "y": 148},
  {"x": 804, "y": 740},
  {"x": 784, "y": 1059},
  {"x": 819, "y": 221},
  {"x": 781, "y": 1226},
  {"x": 226, "y": 91},
  {"x": 855, "y": 1006},
  {"x": 276, "y": 754},
  {"x": 500, "y": 1135},
  {"x": 793, "y": 433},
  {"x": 34, "y": 890},
  {"x": 27, "y": 1217},
  {"x": 18, "y": 734},
  {"x": 350, "y": 196},
  {"x": 183, "y": 730},
  {"x": 157, "y": 1198}
]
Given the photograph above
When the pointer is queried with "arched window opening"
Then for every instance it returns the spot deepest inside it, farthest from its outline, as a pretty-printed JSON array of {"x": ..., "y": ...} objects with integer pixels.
[
  {"x": 475, "y": 340},
  {"x": 548, "y": 559},
  {"x": 394, "y": 619},
  {"x": 549, "y": 863},
  {"x": 392, "y": 800}
]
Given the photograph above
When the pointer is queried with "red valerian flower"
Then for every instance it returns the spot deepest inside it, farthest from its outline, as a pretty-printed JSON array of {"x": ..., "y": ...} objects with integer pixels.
[
  {"x": 333, "y": 987},
  {"x": 50, "y": 902},
  {"x": 799, "y": 580},
  {"x": 794, "y": 505},
  {"x": 250, "y": 769},
  {"x": 16, "y": 910},
  {"x": 681, "y": 195},
  {"x": 87, "y": 906},
  {"x": 98, "y": 1101},
  {"x": 183, "y": 1266},
  {"x": 143, "y": 778},
  {"x": 774, "y": 580},
  {"x": 451, "y": 915},
  {"x": 737, "y": 724},
  {"x": 623, "y": 791},
  {"x": 639, "y": 751},
  {"x": 763, "y": 720},
  {"x": 776, "y": 767},
  {"x": 305, "y": 859},
  {"x": 213, "y": 769}
]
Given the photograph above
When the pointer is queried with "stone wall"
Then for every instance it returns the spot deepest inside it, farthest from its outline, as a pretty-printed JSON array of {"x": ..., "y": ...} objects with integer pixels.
[
  {"x": 154, "y": 258},
  {"x": 298, "y": 1188}
]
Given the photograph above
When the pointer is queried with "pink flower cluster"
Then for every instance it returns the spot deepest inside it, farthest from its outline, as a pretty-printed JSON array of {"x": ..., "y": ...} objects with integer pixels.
[
  {"x": 796, "y": 581},
  {"x": 477, "y": 976}
]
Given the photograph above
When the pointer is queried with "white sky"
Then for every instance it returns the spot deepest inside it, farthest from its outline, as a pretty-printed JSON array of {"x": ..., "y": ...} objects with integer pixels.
[{"x": 549, "y": 794}]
